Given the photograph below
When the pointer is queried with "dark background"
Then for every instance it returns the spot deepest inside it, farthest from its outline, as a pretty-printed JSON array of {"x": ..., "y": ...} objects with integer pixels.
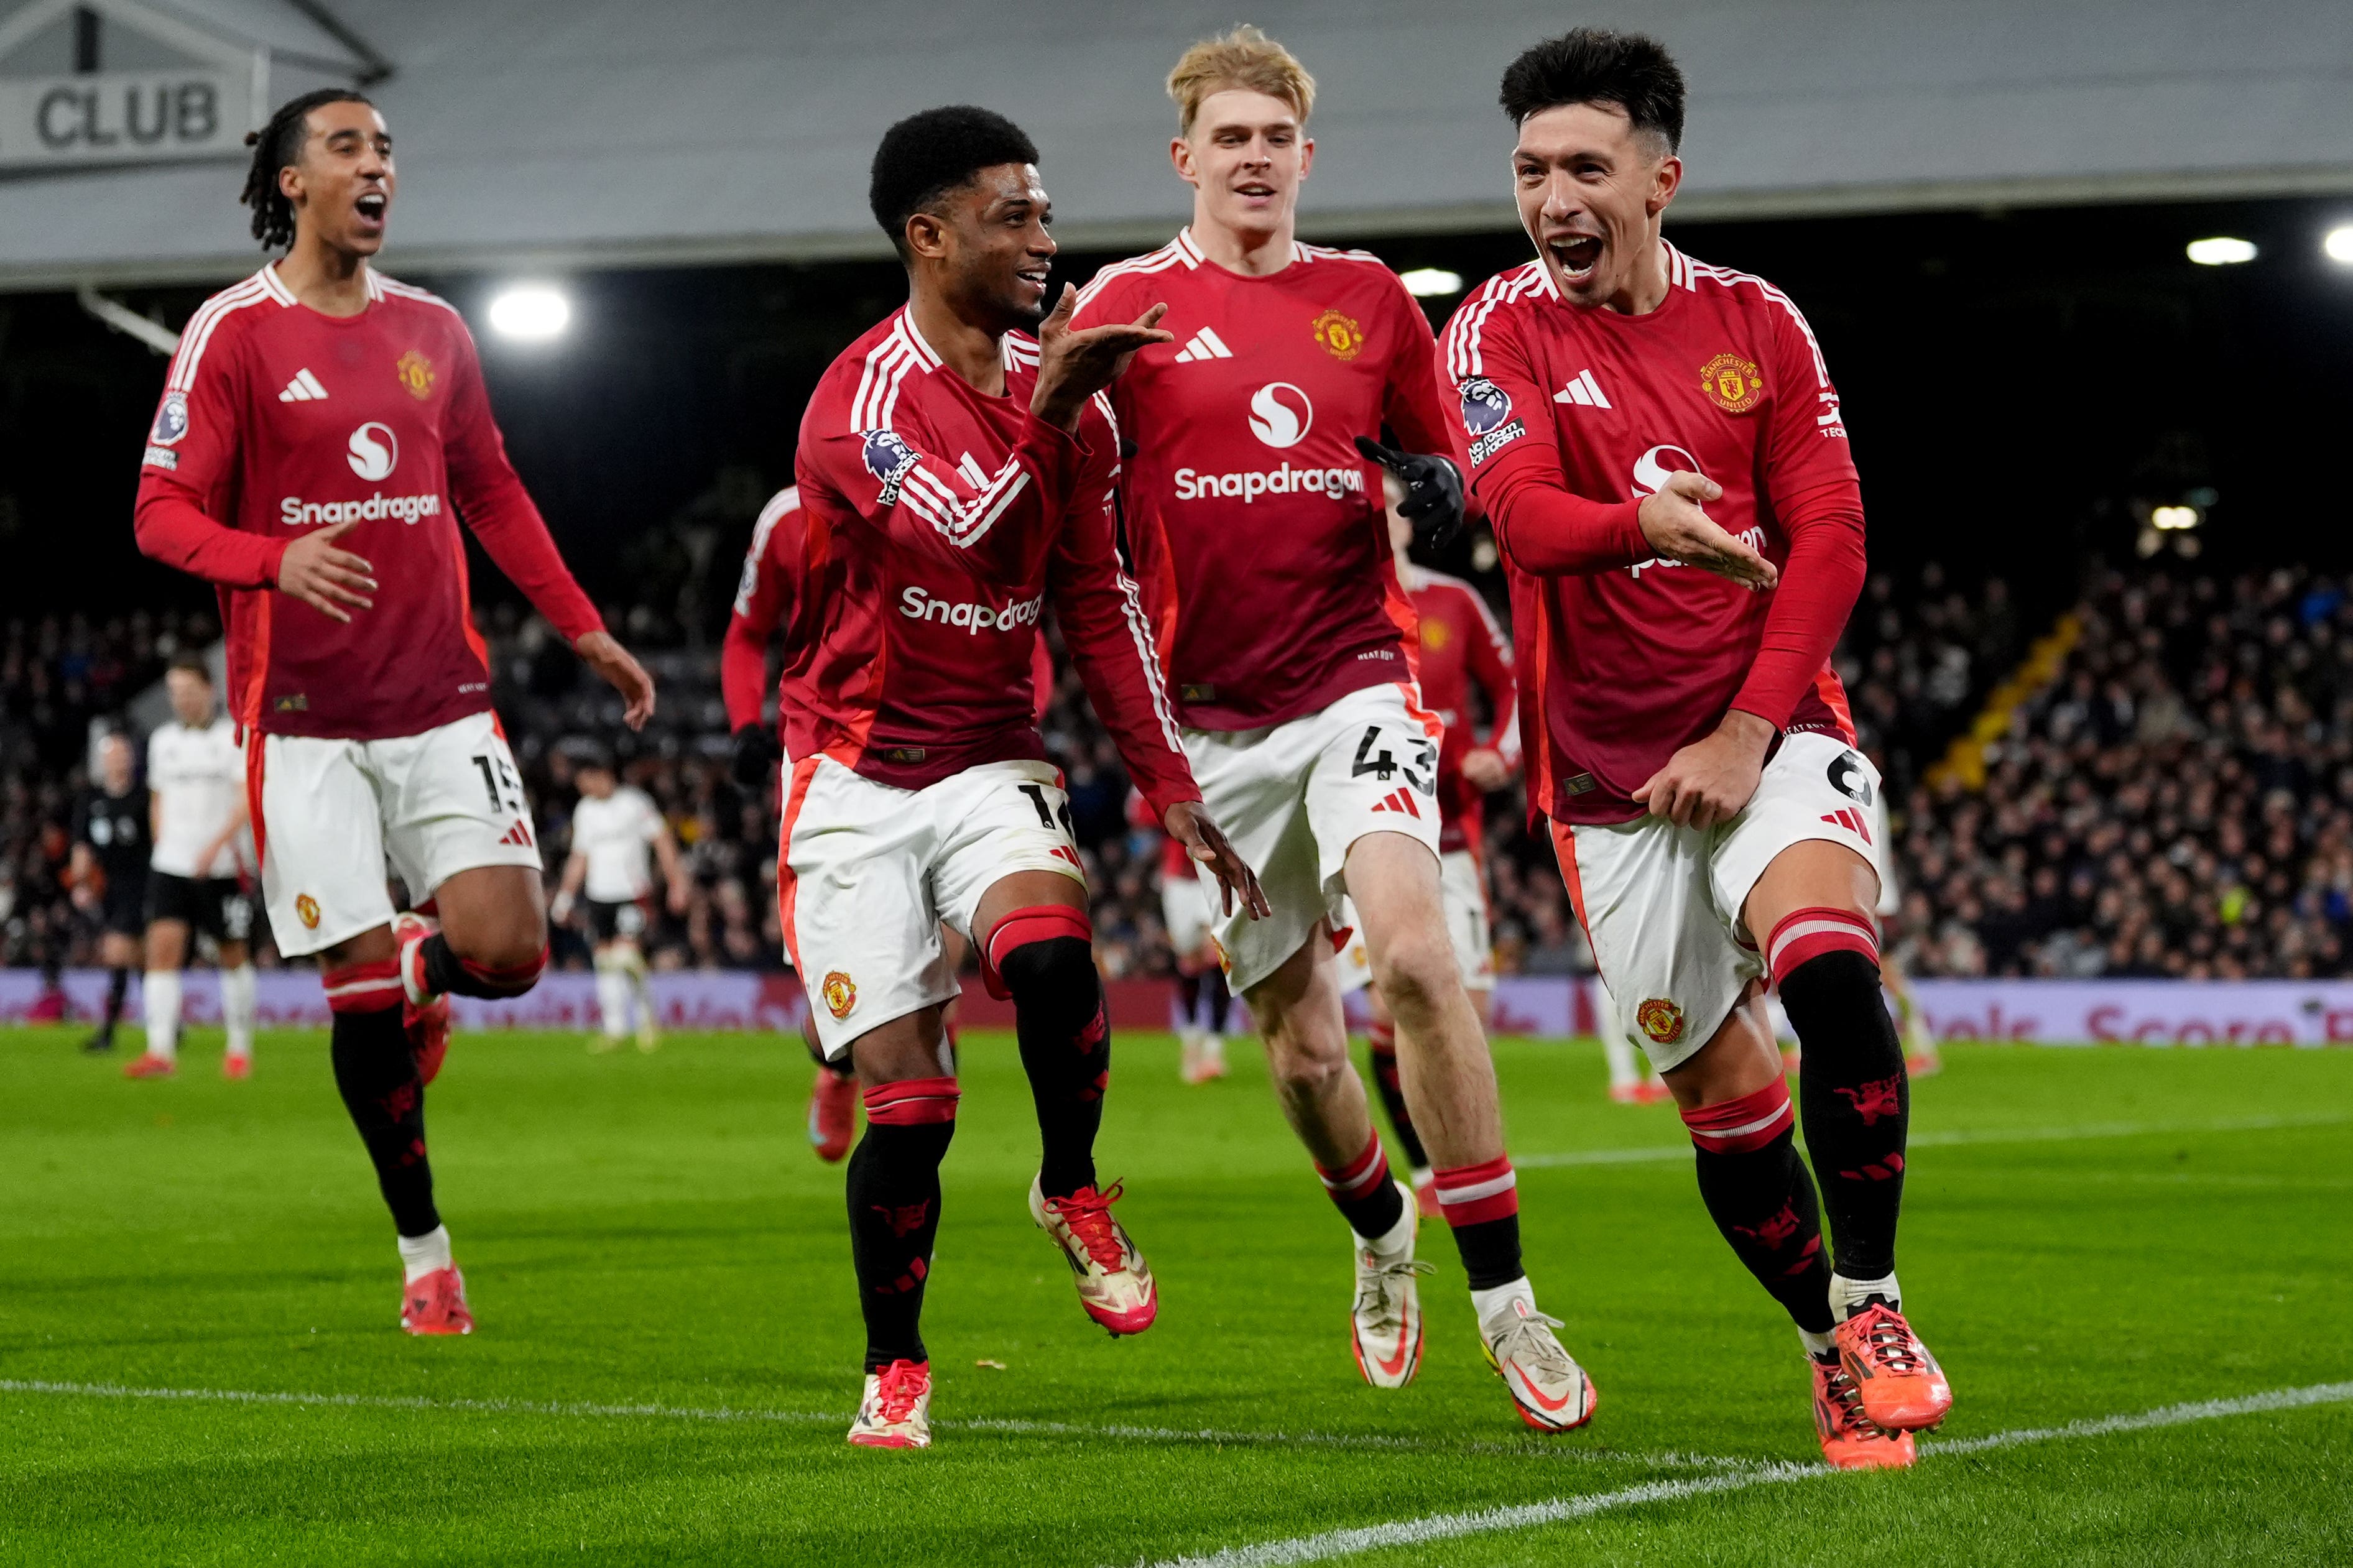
[{"x": 2014, "y": 381}]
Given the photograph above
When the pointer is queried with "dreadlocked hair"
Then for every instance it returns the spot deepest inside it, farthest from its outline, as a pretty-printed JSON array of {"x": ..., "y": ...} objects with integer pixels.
[{"x": 275, "y": 145}]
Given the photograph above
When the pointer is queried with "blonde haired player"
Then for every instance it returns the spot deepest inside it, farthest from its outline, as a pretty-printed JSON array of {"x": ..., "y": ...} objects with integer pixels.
[
  {"x": 617, "y": 836},
  {"x": 1254, "y": 511}
]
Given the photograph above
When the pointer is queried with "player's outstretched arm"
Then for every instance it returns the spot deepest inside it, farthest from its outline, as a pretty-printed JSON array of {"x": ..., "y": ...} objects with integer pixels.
[{"x": 1076, "y": 362}]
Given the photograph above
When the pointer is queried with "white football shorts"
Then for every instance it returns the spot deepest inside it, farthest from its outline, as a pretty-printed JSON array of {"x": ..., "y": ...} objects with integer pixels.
[
  {"x": 1662, "y": 904},
  {"x": 1463, "y": 890},
  {"x": 1185, "y": 908},
  {"x": 1293, "y": 798},
  {"x": 867, "y": 871},
  {"x": 328, "y": 814}
]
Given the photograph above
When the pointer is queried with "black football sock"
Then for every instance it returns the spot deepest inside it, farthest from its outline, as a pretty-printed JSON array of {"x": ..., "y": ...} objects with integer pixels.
[
  {"x": 1058, "y": 1013},
  {"x": 1383, "y": 1039},
  {"x": 377, "y": 1072},
  {"x": 1216, "y": 999},
  {"x": 1189, "y": 1001},
  {"x": 1363, "y": 1192},
  {"x": 1854, "y": 1095},
  {"x": 445, "y": 973},
  {"x": 894, "y": 1210},
  {"x": 117, "y": 983},
  {"x": 1756, "y": 1190},
  {"x": 1482, "y": 1205}
]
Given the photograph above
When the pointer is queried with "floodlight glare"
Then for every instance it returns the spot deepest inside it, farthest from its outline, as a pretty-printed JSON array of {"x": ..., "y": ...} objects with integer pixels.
[
  {"x": 2221, "y": 251},
  {"x": 532, "y": 313},
  {"x": 2338, "y": 244},
  {"x": 2172, "y": 519},
  {"x": 1430, "y": 282}
]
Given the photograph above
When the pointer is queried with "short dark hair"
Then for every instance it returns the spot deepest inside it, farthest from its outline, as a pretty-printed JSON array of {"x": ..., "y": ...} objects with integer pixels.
[
  {"x": 275, "y": 145},
  {"x": 1594, "y": 65},
  {"x": 194, "y": 663},
  {"x": 926, "y": 156}
]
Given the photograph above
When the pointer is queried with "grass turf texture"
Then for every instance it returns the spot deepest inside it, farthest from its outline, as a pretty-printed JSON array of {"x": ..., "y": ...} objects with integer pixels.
[{"x": 651, "y": 1231}]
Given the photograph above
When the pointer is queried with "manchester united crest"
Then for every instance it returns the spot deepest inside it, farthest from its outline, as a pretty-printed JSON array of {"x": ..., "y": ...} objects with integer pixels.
[
  {"x": 306, "y": 909},
  {"x": 1661, "y": 1020},
  {"x": 1340, "y": 334},
  {"x": 1732, "y": 383},
  {"x": 840, "y": 993},
  {"x": 416, "y": 373},
  {"x": 1436, "y": 634}
]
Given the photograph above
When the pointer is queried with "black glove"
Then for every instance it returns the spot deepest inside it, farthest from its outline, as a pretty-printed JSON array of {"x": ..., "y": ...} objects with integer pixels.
[
  {"x": 756, "y": 752},
  {"x": 1434, "y": 491}
]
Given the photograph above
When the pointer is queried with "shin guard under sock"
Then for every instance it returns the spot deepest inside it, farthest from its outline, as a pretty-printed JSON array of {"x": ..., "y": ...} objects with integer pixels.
[
  {"x": 445, "y": 973},
  {"x": 1044, "y": 958},
  {"x": 376, "y": 1073},
  {"x": 1361, "y": 1191},
  {"x": 1855, "y": 1097},
  {"x": 894, "y": 1210},
  {"x": 1482, "y": 1202},
  {"x": 1383, "y": 1040},
  {"x": 1756, "y": 1190}
]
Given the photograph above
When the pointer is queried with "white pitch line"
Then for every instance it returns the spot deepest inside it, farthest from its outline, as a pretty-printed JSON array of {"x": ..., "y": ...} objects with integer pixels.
[
  {"x": 1958, "y": 1139},
  {"x": 1334, "y": 1543},
  {"x": 1005, "y": 1426}
]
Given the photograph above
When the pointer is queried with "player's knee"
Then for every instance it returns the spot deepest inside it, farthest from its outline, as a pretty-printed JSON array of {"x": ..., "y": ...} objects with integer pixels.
[
  {"x": 1036, "y": 954},
  {"x": 503, "y": 968},
  {"x": 1825, "y": 963},
  {"x": 1415, "y": 972}
]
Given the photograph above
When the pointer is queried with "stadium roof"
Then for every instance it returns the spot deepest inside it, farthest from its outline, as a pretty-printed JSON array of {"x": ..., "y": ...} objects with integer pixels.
[{"x": 580, "y": 133}]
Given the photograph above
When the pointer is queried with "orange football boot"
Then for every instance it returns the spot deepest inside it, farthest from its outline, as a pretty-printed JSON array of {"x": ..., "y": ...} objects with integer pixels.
[
  {"x": 1850, "y": 1442},
  {"x": 237, "y": 1066},
  {"x": 434, "y": 1303},
  {"x": 1902, "y": 1387},
  {"x": 149, "y": 1066},
  {"x": 832, "y": 1113}
]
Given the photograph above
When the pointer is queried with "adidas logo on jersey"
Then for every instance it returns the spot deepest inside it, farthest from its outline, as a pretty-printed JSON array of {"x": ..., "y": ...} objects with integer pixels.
[
  {"x": 303, "y": 388},
  {"x": 1583, "y": 391},
  {"x": 1400, "y": 800},
  {"x": 1852, "y": 820},
  {"x": 1204, "y": 344}
]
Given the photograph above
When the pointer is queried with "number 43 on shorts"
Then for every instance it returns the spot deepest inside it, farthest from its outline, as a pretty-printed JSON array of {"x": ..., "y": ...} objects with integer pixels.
[{"x": 1421, "y": 769}]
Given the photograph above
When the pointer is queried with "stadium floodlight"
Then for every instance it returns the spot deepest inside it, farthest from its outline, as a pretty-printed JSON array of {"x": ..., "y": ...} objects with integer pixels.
[
  {"x": 2221, "y": 250},
  {"x": 530, "y": 313},
  {"x": 2172, "y": 519},
  {"x": 2337, "y": 244},
  {"x": 1431, "y": 282}
]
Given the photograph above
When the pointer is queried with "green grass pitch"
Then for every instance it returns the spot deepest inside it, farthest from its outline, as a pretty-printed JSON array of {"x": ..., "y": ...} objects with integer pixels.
[{"x": 669, "y": 1342}]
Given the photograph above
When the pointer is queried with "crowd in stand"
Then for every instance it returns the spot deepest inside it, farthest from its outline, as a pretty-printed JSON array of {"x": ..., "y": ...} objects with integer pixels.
[{"x": 2178, "y": 801}]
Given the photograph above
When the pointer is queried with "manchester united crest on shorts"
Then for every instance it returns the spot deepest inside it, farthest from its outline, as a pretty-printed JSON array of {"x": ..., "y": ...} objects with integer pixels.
[
  {"x": 840, "y": 993},
  {"x": 1661, "y": 1020},
  {"x": 416, "y": 373},
  {"x": 1342, "y": 338},
  {"x": 1732, "y": 383},
  {"x": 306, "y": 909}
]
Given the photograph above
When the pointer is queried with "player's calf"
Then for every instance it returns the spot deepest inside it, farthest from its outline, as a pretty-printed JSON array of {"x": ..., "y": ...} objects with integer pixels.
[{"x": 1756, "y": 1190}]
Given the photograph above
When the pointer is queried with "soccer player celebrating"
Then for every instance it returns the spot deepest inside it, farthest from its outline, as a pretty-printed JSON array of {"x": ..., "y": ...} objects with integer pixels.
[
  {"x": 109, "y": 872},
  {"x": 1659, "y": 449},
  {"x": 1258, "y": 534},
  {"x": 955, "y": 475},
  {"x": 1460, "y": 647},
  {"x": 617, "y": 836},
  {"x": 317, "y": 425},
  {"x": 196, "y": 784}
]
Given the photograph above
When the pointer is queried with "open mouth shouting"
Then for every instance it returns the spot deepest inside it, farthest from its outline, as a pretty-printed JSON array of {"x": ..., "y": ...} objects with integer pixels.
[
  {"x": 369, "y": 209},
  {"x": 1576, "y": 255}
]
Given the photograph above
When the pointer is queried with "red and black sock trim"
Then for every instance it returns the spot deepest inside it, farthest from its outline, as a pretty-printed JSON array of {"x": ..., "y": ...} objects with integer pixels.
[
  {"x": 1854, "y": 1097},
  {"x": 1361, "y": 1191},
  {"x": 446, "y": 972},
  {"x": 1043, "y": 958},
  {"x": 363, "y": 987},
  {"x": 894, "y": 1193},
  {"x": 1756, "y": 1190},
  {"x": 1482, "y": 1204}
]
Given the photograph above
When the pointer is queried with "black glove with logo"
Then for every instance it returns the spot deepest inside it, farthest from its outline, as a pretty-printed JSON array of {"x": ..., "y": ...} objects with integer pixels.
[
  {"x": 756, "y": 752},
  {"x": 1434, "y": 491}
]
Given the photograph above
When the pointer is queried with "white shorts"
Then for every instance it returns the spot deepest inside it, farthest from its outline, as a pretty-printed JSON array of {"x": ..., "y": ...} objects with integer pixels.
[
  {"x": 1184, "y": 910},
  {"x": 1355, "y": 959},
  {"x": 867, "y": 872},
  {"x": 1464, "y": 891},
  {"x": 1294, "y": 796},
  {"x": 1662, "y": 904},
  {"x": 329, "y": 814}
]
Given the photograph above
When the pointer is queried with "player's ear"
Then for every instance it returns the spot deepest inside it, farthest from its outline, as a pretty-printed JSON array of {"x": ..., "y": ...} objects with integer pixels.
[
  {"x": 1307, "y": 155},
  {"x": 1180, "y": 155},
  {"x": 1666, "y": 180},
  {"x": 927, "y": 234}
]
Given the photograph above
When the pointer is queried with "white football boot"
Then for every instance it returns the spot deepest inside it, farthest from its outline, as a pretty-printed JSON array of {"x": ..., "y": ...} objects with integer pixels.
[
  {"x": 1551, "y": 1390},
  {"x": 897, "y": 1410},
  {"x": 1385, "y": 1325}
]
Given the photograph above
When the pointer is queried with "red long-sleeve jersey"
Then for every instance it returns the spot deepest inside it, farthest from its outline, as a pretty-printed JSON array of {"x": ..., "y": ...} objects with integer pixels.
[
  {"x": 1567, "y": 417},
  {"x": 1256, "y": 528},
  {"x": 769, "y": 595},
  {"x": 277, "y": 420},
  {"x": 1462, "y": 646},
  {"x": 940, "y": 521}
]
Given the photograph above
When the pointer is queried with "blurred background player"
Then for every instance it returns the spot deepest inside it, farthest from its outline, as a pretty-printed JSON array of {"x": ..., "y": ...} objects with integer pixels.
[
  {"x": 1260, "y": 541},
  {"x": 768, "y": 600},
  {"x": 1695, "y": 755},
  {"x": 1462, "y": 647},
  {"x": 920, "y": 790},
  {"x": 196, "y": 882},
  {"x": 1199, "y": 1001},
  {"x": 109, "y": 871},
  {"x": 619, "y": 835},
  {"x": 321, "y": 428}
]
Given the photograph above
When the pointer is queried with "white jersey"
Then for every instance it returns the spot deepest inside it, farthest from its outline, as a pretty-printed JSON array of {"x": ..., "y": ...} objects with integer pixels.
[
  {"x": 616, "y": 834},
  {"x": 197, "y": 777}
]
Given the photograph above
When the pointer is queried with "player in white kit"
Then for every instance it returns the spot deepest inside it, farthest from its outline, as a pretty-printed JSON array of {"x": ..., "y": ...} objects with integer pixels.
[
  {"x": 618, "y": 833},
  {"x": 197, "y": 869}
]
